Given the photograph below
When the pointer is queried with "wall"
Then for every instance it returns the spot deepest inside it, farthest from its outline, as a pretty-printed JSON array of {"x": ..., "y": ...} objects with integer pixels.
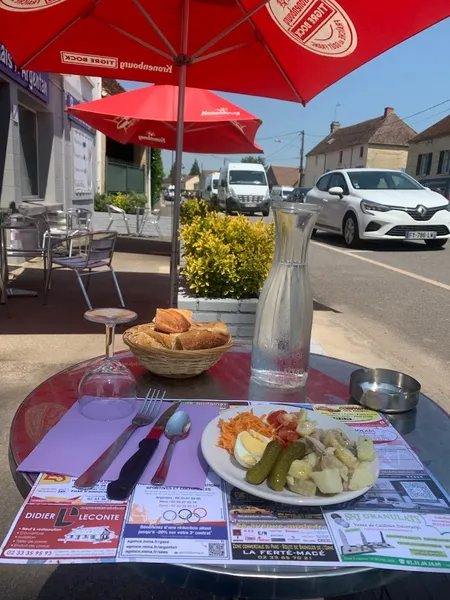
[
  {"x": 55, "y": 150},
  {"x": 81, "y": 89},
  {"x": 380, "y": 157},
  {"x": 435, "y": 146},
  {"x": 318, "y": 164}
]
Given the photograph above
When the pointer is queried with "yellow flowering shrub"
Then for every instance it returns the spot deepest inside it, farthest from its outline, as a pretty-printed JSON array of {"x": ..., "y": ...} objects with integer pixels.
[
  {"x": 193, "y": 208},
  {"x": 227, "y": 257}
]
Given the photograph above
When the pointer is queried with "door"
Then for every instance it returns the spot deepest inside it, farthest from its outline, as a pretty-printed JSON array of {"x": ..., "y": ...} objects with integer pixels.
[
  {"x": 319, "y": 196},
  {"x": 335, "y": 205}
]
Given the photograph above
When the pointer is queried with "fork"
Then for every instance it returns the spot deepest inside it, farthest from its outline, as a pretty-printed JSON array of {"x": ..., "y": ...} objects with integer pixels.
[{"x": 148, "y": 413}]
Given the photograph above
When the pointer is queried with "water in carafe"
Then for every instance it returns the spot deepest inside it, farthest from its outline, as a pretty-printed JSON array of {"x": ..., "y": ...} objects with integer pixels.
[{"x": 281, "y": 343}]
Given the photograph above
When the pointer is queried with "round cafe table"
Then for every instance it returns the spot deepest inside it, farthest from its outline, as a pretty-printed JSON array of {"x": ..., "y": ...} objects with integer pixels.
[{"x": 426, "y": 429}]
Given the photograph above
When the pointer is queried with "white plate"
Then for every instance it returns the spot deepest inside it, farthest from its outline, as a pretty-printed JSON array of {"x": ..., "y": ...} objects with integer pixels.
[{"x": 229, "y": 469}]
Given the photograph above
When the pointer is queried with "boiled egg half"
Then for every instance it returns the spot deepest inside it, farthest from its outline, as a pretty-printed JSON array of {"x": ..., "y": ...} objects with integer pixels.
[{"x": 249, "y": 448}]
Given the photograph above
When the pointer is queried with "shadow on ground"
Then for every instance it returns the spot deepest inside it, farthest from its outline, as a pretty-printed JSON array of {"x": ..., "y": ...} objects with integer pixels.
[{"x": 63, "y": 313}]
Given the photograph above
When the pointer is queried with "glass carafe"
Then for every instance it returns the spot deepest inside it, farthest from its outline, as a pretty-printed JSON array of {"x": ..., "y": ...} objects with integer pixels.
[{"x": 280, "y": 354}]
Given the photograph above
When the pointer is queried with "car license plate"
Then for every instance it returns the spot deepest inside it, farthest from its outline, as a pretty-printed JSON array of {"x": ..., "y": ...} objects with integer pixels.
[
  {"x": 420, "y": 235},
  {"x": 251, "y": 205}
]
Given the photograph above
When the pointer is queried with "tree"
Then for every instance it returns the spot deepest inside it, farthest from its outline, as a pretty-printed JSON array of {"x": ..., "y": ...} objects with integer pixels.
[
  {"x": 195, "y": 169},
  {"x": 156, "y": 174},
  {"x": 172, "y": 174},
  {"x": 254, "y": 159}
]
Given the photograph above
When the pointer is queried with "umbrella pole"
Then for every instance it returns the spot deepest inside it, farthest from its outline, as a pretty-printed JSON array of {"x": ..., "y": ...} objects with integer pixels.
[{"x": 175, "y": 252}]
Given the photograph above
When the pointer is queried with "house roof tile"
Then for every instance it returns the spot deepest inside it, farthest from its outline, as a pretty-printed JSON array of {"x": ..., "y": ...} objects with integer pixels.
[{"x": 387, "y": 130}]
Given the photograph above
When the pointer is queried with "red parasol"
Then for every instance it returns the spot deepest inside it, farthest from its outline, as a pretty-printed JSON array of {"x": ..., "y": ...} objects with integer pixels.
[
  {"x": 286, "y": 49},
  {"x": 148, "y": 116}
]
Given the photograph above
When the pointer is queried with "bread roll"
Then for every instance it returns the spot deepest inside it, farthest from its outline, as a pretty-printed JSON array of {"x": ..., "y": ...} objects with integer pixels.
[
  {"x": 149, "y": 339},
  {"x": 198, "y": 339},
  {"x": 171, "y": 320},
  {"x": 214, "y": 326}
]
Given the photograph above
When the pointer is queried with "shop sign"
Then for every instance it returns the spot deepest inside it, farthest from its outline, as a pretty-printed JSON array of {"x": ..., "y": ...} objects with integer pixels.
[
  {"x": 35, "y": 82},
  {"x": 72, "y": 101}
]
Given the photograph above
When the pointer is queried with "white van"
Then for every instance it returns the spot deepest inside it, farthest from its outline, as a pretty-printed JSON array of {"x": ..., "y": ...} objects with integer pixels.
[
  {"x": 243, "y": 188},
  {"x": 211, "y": 186},
  {"x": 281, "y": 192}
]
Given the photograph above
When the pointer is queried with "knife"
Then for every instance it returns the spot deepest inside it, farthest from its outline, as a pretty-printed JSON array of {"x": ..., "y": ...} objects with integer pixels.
[{"x": 135, "y": 466}]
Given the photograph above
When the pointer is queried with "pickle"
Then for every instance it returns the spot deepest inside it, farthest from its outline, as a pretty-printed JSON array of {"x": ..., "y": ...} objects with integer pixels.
[
  {"x": 259, "y": 472},
  {"x": 278, "y": 474}
]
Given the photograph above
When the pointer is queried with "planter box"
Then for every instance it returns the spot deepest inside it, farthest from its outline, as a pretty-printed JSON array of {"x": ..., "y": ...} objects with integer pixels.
[{"x": 239, "y": 315}]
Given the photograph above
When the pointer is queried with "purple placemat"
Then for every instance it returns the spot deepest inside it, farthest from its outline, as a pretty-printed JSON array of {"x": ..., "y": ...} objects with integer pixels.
[{"x": 75, "y": 442}]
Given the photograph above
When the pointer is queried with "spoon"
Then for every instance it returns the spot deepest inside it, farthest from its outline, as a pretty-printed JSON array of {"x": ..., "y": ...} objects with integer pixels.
[{"x": 177, "y": 429}]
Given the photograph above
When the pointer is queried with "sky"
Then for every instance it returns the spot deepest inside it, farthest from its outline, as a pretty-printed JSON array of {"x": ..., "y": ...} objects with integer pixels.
[{"x": 411, "y": 78}]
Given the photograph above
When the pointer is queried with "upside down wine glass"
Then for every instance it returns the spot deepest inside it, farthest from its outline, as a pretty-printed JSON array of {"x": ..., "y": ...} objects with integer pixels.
[{"x": 108, "y": 391}]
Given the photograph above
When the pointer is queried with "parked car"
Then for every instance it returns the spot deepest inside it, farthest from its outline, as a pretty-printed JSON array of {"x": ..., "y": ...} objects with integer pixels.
[
  {"x": 211, "y": 186},
  {"x": 281, "y": 192},
  {"x": 298, "y": 194},
  {"x": 374, "y": 204},
  {"x": 243, "y": 188}
]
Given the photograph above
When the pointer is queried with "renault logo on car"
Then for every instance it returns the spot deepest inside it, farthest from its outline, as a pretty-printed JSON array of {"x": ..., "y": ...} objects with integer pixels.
[{"x": 421, "y": 210}]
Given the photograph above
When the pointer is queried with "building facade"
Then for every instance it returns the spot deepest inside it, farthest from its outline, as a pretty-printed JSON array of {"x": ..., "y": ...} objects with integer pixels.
[
  {"x": 429, "y": 157},
  {"x": 380, "y": 143},
  {"x": 288, "y": 176},
  {"x": 46, "y": 158}
]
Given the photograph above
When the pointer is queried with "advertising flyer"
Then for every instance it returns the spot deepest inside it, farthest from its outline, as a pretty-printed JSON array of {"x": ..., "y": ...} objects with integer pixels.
[{"x": 402, "y": 522}]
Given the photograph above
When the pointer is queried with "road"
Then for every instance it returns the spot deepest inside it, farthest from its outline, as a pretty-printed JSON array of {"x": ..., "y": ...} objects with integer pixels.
[
  {"x": 384, "y": 305},
  {"x": 391, "y": 298}
]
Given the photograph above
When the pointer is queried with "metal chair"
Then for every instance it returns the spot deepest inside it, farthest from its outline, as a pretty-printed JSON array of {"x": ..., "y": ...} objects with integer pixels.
[
  {"x": 146, "y": 215},
  {"x": 24, "y": 237},
  {"x": 79, "y": 219},
  {"x": 63, "y": 225},
  {"x": 114, "y": 211},
  {"x": 94, "y": 257}
]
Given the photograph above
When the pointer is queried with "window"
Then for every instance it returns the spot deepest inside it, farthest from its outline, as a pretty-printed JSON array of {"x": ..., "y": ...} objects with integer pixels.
[
  {"x": 424, "y": 161},
  {"x": 444, "y": 162},
  {"x": 317, "y": 159},
  {"x": 341, "y": 156},
  {"x": 322, "y": 184},
  {"x": 248, "y": 177},
  {"x": 382, "y": 180},
  {"x": 28, "y": 151},
  {"x": 338, "y": 180},
  {"x": 361, "y": 152}
]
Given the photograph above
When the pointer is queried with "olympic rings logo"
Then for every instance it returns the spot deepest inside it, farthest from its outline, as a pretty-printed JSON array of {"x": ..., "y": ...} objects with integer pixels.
[{"x": 185, "y": 514}]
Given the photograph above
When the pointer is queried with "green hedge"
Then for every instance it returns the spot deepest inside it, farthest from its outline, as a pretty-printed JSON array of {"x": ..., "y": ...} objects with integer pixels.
[{"x": 128, "y": 202}]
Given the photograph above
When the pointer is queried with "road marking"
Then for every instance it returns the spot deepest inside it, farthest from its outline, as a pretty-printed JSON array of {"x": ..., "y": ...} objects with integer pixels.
[{"x": 438, "y": 284}]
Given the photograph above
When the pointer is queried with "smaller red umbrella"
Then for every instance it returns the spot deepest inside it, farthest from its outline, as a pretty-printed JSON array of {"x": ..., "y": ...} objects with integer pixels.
[{"x": 148, "y": 116}]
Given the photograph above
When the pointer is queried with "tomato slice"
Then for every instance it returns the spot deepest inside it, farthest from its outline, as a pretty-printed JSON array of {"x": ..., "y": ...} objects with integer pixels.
[
  {"x": 287, "y": 434},
  {"x": 273, "y": 417}
]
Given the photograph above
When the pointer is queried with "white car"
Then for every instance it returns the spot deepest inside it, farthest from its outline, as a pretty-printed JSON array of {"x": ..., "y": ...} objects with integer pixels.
[{"x": 375, "y": 204}]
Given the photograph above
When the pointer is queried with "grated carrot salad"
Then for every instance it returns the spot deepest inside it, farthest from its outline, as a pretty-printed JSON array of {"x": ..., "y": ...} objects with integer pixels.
[{"x": 229, "y": 430}]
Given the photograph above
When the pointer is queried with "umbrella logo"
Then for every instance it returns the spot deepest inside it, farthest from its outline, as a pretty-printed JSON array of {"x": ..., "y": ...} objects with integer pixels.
[
  {"x": 27, "y": 5},
  {"x": 123, "y": 122},
  {"x": 320, "y": 26},
  {"x": 151, "y": 137},
  {"x": 217, "y": 112}
]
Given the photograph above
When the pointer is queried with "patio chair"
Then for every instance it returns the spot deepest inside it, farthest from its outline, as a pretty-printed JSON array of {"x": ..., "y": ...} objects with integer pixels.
[
  {"x": 114, "y": 211},
  {"x": 63, "y": 225},
  {"x": 146, "y": 215},
  {"x": 24, "y": 237},
  {"x": 79, "y": 219},
  {"x": 94, "y": 257}
]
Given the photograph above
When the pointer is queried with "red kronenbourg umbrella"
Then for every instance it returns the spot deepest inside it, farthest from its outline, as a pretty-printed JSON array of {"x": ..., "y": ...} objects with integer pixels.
[
  {"x": 285, "y": 49},
  {"x": 148, "y": 116}
]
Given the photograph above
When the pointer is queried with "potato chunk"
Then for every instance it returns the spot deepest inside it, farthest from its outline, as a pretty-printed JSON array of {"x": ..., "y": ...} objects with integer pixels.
[
  {"x": 346, "y": 457},
  {"x": 301, "y": 486},
  {"x": 300, "y": 469},
  {"x": 331, "y": 462},
  {"x": 366, "y": 450},
  {"x": 328, "y": 481},
  {"x": 361, "y": 478}
]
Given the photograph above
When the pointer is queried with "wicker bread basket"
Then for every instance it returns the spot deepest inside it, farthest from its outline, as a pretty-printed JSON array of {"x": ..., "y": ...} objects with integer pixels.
[{"x": 174, "y": 364}]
